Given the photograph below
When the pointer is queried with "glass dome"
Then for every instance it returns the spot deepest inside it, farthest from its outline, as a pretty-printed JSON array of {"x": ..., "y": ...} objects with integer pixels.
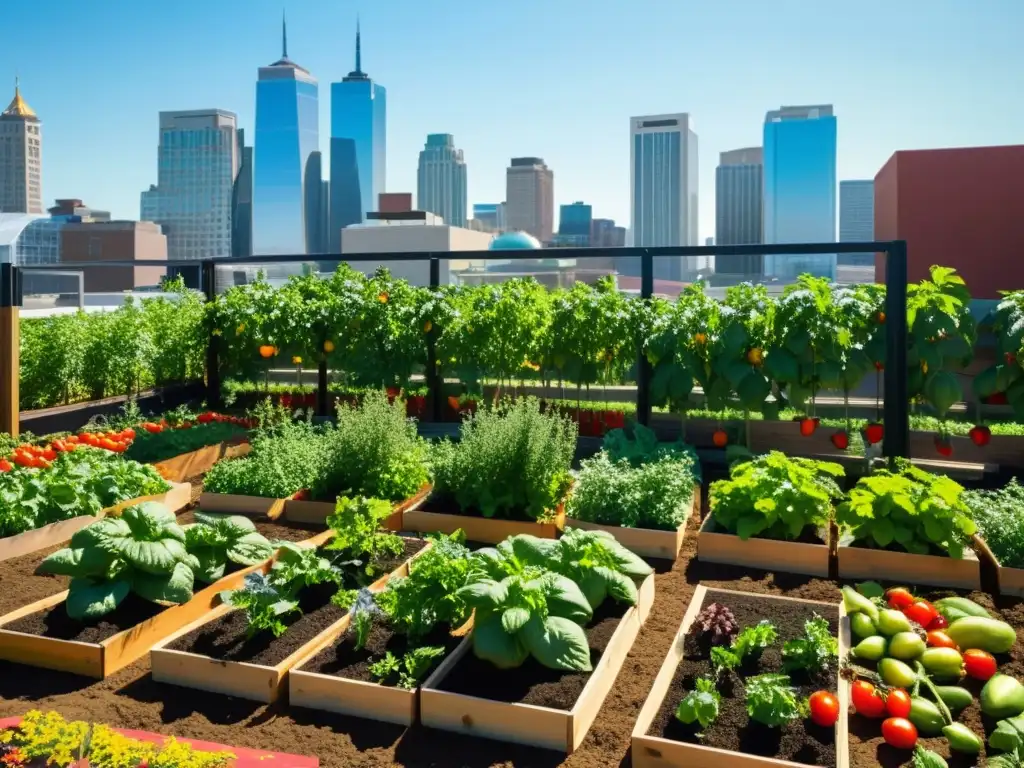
[{"x": 514, "y": 241}]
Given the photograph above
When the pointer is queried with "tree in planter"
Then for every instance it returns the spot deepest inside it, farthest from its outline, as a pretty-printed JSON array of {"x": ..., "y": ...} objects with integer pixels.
[
  {"x": 142, "y": 551},
  {"x": 1006, "y": 377},
  {"x": 249, "y": 318}
]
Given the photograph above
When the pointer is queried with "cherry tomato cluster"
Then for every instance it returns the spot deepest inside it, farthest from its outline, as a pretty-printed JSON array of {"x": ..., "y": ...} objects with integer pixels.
[
  {"x": 209, "y": 417},
  {"x": 920, "y": 612},
  {"x": 893, "y": 705}
]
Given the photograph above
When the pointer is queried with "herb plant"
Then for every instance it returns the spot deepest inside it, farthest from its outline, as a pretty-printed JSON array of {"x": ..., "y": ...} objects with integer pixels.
[
  {"x": 701, "y": 704},
  {"x": 151, "y": 447},
  {"x": 907, "y": 508},
  {"x": 814, "y": 652},
  {"x": 772, "y": 701},
  {"x": 356, "y": 525},
  {"x": 775, "y": 496},
  {"x": 411, "y": 668},
  {"x": 216, "y": 540},
  {"x": 141, "y": 551},
  {"x": 999, "y": 515}
]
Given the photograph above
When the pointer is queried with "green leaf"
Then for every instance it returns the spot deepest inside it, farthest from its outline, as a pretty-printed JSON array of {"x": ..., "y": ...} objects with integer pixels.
[
  {"x": 76, "y": 563},
  {"x": 250, "y": 549},
  {"x": 882, "y": 532},
  {"x": 621, "y": 587},
  {"x": 88, "y": 601},
  {"x": 485, "y": 594},
  {"x": 492, "y": 643},
  {"x": 558, "y": 643},
  {"x": 565, "y": 599},
  {"x": 211, "y": 564},
  {"x": 176, "y": 588},
  {"x": 513, "y": 619}
]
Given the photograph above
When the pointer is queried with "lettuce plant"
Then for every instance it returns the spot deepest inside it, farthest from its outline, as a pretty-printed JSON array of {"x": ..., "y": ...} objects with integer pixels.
[
  {"x": 356, "y": 524},
  {"x": 142, "y": 551},
  {"x": 536, "y": 613},
  {"x": 216, "y": 540},
  {"x": 775, "y": 496}
]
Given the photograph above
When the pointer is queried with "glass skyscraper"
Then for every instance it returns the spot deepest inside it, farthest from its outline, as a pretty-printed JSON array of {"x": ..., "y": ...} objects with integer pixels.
[
  {"x": 857, "y": 219},
  {"x": 287, "y": 135},
  {"x": 441, "y": 180},
  {"x": 574, "y": 225},
  {"x": 358, "y": 148},
  {"x": 800, "y": 187},
  {"x": 739, "y": 192}
]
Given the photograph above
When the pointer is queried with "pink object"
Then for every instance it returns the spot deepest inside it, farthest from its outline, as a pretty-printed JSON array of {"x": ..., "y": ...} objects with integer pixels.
[{"x": 244, "y": 758}]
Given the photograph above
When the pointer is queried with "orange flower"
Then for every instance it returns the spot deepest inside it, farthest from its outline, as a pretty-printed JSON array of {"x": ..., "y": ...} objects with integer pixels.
[
  {"x": 428, "y": 327},
  {"x": 328, "y": 346},
  {"x": 382, "y": 297}
]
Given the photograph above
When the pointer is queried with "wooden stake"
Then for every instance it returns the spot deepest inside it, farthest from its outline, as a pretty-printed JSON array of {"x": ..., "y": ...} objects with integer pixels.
[{"x": 10, "y": 344}]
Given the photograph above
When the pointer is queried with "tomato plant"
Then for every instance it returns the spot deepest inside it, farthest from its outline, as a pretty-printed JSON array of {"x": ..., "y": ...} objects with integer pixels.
[{"x": 1006, "y": 375}]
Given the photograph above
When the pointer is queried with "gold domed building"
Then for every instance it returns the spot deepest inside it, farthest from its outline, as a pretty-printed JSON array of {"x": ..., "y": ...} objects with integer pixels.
[{"x": 21, "y": 158}]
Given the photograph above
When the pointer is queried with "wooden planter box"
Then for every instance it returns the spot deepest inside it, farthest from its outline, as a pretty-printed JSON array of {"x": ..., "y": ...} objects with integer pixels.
[
  {"x": 1010, "y": 581},
  {"x": 657, "y": 752},
  {"x": 484, "y": 530},
  {"x": 199, "y": 461},
  {"x": 256, "y": 682},
  {"x": 717, "y": 546},
  {"x": 865, "y": 563},
  {"x": 57, "y": 533},
  {"x": 645, "y": 541},
  {"x": 558, "y": 729},
  {"x": 249, "y": 506},
  {"x": 1005, "y": 450},
  {"x": 317, "y": 512}
]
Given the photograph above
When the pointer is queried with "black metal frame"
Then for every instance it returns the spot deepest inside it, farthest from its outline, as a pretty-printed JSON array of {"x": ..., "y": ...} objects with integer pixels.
[{"x": 896, "y": 408}]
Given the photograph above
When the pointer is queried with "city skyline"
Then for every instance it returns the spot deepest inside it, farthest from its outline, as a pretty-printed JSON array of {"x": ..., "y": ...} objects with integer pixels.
[{"x": 534, "y": 119}]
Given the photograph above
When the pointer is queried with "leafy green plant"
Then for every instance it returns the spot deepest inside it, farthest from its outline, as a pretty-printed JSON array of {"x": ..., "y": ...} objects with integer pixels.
[
  {"x": 1006, "y": 376},
  {"x": 813, "y": 652},
  {"x": 701, "y": 704},
  {"x": 411, "y": 668},
  {"x": 776, "y": 497},
  {"x": 999, "y": 515},
  {"x": 216, "y": 540},
  {"x": 141, "y": 551},
  {"x": 750, "y": 643},
  {"x": 772, "y": 701},
  {"x": 537, "y": 613},
  {"x": 907, "y": 508},
  {"x": 356, "y": 525},
  {"x": 149, "y": 447},
  {"x": 512, "y": 462},
  {"x": 373, "y": 450}
]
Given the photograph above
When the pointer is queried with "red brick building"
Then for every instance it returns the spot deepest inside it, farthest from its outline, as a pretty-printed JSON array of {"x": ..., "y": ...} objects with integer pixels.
[{"x": 960, "y": 208}]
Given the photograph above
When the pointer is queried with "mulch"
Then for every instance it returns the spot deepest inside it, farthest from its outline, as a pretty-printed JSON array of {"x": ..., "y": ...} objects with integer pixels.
[{"x": 131, "y": 699}]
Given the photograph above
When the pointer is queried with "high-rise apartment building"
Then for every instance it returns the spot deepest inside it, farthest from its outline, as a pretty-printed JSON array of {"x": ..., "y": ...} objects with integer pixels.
[
  {"x": 287, "y": 134},
  {"x": 489, "y": 217},
  {"x": 198, "y": 159},
  {"x": 241, "y": 203},
  {"x": 441, "y": 180},
  {"x": 739, "y": 181},
  {"x": 800, "y": 187},
  {"x": 530, "y": 197},
  {"x": 358, "y": 148},
  {"x": 575, "y": 224},
  {"x": 857, "y": 219},
  {"x": 21, "y": 158}
]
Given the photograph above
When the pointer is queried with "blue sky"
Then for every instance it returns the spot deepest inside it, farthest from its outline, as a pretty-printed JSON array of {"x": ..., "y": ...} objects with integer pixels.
[{"x": 552, "y": 78}]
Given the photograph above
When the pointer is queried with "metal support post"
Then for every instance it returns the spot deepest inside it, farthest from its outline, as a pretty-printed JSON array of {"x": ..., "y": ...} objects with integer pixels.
[
  {"x": 643, "y": 367},
  {"x": 896, "y": 408}
]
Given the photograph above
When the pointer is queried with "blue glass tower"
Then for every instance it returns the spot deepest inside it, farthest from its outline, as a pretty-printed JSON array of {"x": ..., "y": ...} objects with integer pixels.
[
  {"x": 358, "y": 148},
  {"x": 800, "y": 187},
  {"x": 287, "y": 135}
]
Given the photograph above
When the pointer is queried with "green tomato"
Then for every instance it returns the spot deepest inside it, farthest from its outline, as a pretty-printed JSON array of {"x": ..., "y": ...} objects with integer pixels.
[
  {"x": 954, "y": 697},
  {"x": 895, "y": 673},
  {"x": 1002, "y": 697},
  {"x": 953, "y": 608},
  {"x": 862, "y": 626},
  {"x": 926, "y": 716},
  {"x": 962, "y": 739},
  {"x": 855, "y": 602},
  {"x": 871, "y": 648},
  {"x": 892, "y": 622},
  {"x": 982, "y": 633},
  {"x": 906, "y": 646},
  {"x": 943, "y": 662}
]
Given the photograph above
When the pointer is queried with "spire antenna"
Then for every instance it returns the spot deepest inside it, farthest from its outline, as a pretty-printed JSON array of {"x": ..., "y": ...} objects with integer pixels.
[
  {"x": 284, "y": 36},
  {"x": 359, "y": 55}
]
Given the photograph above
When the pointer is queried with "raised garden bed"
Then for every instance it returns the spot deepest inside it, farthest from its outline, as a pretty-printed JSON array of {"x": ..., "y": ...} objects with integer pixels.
[
  {"x": 316, "y": 512},
  {"x": 250, "y": 506},
  {"x": 809, "y": 555},
  {"x": 199, "y": 461},
  {"x": 856, "y": 562},
  {"x": 442, "y": 515},
  {"x": 212, "y": 653},
  {"x": 1009, "y": 581},
  {"x": 660, "y": 740},
  {"x": 646, "y": 542},
  {"x": 532, "y": 704}
]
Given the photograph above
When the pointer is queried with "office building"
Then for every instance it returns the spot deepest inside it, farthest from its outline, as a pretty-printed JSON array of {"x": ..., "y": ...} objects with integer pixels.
[
  {"x": 441, "y": 179},
  {"x": 488, "y": 217},
  {"x": 287, "y": 134},
  {"x": 856, "y": 220},
  {"x": 121, "y": 241},
  {"x": 663, "y": 188},
  {"x": 530, "y": 198},
  {"x": 314, "y": 204},
  {"x": 575, "y": 224},
  {"x": 21, "y": 158},
  {"x": 241, "y": 202},
  {"x": 961, "y": 208},
  {"x": 197, "y": 162},
  {"x": 605, "y": 234},
  {"x": 358, "y": 148},
  {"x": 739, "y": 179},
  {"x": 800, "y": 187}
]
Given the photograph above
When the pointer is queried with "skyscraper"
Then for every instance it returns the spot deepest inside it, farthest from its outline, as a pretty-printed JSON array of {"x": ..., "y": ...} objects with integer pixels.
[
  {"x": 198, "y": 159},
  {"x": 800, "y": 187},
  {"x": 21, "y": 158},
  {"x": 287, "y": 134},
  {"x": 490, "y": 217},
  {"x": 441, "y": 180},
  {"x": 575, "y": 225},
  {"x": 663, "y": 187},
  {"x": 358, "y": 148},
  {"x": 530, "y": 197},
  {"x": 739, "y": 179},
  {"x": 857, "y": 219},
  {"x": 241, "y": 202}
]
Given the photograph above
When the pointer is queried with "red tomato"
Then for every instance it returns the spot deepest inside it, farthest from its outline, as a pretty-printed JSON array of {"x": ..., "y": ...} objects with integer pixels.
[
  {"x": 107, "y": 444},
  {"x": 899, "y": 598},
  {"x": 23, "y": 459},
  {"x": 5, "y": 465},
  {"x": 866, "y": 700},
  {"x": 939, "y": 622},
  {"x": 49, "y": 454},
  {"x": 129, "y": 433},
  {"x": 897, "y": 703},
  {"x": 979, "y": 664},
  {"x": 824, "y": 708},
  {"x": 899, "y": 732},
  {"x": 939, "y": 639},
  {"x": 922, "y": 612}
]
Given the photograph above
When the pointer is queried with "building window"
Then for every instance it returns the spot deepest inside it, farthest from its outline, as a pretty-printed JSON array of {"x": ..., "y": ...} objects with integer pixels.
[{"x": 95, "y": 248}]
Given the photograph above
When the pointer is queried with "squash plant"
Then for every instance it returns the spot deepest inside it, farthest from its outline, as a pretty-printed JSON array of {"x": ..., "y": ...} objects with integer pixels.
[
  {"x": 1006, "y": 377},
  {"x": 142, "y": 551}
]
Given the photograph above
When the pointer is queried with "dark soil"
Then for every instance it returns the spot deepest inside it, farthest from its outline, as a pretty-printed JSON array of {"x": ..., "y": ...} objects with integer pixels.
[
  {"x": 533, "y": 683},
  {"x": 19, "y": 586},
  {"x": 55, "y": 622},
  {"x": 343, "y": 660},
  {"x": 272, "y": 530},
  {"x": 799, "y": 741}
]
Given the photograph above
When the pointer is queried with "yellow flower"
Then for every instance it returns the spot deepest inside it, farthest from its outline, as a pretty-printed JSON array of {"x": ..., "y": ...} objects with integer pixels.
[
  {"x": 755, "y": 356},
  {"x": 428, "y": 327},
  {"x": 240, "y": 329},
  {"x": 296, "y": 360},
  {"x": 700, "y": 338},
  {"x": 382, "y": 297},
  {"x": 328, "y": 346}
]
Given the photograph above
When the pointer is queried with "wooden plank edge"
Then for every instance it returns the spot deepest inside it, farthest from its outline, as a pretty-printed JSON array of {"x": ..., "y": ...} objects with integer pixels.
[
  {"x": 49, "y": 535},
  {"x": 803, "y": 554}
]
